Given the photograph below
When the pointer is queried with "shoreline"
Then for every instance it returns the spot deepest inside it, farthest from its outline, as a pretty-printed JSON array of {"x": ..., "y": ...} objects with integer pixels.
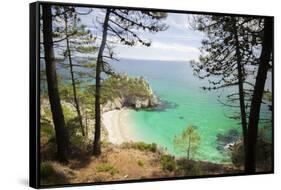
[{"x": 118, "y": 126}]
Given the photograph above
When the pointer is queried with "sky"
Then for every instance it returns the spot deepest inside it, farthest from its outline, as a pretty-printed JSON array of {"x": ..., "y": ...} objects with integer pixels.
[{"x": 179, "y": 42}]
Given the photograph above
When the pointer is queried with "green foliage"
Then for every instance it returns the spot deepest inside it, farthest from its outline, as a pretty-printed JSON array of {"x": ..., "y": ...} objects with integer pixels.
[
  {"x": 46, "y": 116},
  {"x": 46, "y": 170},
  {"x": 237, "y": 154},
  {"x": 140, "y": 163},
  {"x": 168, "y": 163},
  {"x": 105, "y": 167},
  {"x": 188, "y": 142},
  {"x": 122, "y": 85},
  {"x": 267, "y": 95},
  {"x": 68, "y": 23},
  {"x": 106, "y": 144},
  {"x": 49, "y": 175},
  {"x": 263, "y": 154},
  {"x": 47, "y": 132},
  {"x": 141, "y": 146},
  {"x": 189, "y": 167},
  {"x": 68, "y": 112},
  {"x": 86, "y": 49}
]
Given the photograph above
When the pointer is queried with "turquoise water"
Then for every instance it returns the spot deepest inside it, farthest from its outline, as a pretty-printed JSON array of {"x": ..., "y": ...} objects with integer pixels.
[
  {"x": 183, "y": 103},
  {"x": 186, "y": 104}
]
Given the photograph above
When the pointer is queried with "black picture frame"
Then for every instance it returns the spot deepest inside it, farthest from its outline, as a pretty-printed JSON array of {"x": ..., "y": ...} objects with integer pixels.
[{"x": 34, "y": 95}]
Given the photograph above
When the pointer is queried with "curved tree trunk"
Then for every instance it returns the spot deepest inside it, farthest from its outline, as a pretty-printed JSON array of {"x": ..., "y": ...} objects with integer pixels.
[
  {"x": 53, "y": 92},
  {"x": 267, "y": 46},
  {"x": 97, "y": 145}
]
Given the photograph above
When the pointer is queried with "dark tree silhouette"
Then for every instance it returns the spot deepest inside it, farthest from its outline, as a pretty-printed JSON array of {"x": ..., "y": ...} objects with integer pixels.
[
  {"x": 96, "y": 145},
  {"x": 264, "y": 65},
  {"x": 232, "y": 44},
  {"x": 120, "y": 24},
  {"x": 56, "y": 108}
]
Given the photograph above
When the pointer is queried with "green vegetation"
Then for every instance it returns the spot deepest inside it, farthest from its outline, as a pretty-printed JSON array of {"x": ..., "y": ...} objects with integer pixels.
[
  {"x": 188, "y": 142},
  {"x": 189, "y": 167},
  {"x": 141, "y": 146},
  {"x": 111, "y": 89},
  {"x": 47, "y": 131},
  {"x": 46, "y": 170},
  {"x": 105, "y": 167},
  {"x": 168, "y": 163},
  {"x": 124, "y": 86},
  {"x": 181, "y": 166},
  {"x": 263, "y": 154},
  {"x": 267, "y": 95},
  {"x": 75, "y": 92},
  {"x": 49, "y": 175},
  {"x": 140, "y": 163}
]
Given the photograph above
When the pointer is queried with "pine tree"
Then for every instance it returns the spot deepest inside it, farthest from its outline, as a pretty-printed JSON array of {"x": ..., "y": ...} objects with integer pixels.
[
  {"x": 264, "y": 65},
  {"x": 121, "y": 24},
  {"x": 52, "y": 83},
  {"x": 76, "y": 40},
  {"x": 231, "y": 46},
  {"x": 188, "y": 142}
]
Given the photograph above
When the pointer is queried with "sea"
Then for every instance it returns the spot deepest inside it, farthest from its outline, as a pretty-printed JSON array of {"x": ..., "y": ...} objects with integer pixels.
[{"x": 183, "y": 103}]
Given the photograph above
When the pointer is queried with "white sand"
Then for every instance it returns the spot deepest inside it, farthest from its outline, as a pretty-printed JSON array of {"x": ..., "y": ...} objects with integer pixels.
[{"x": 118, "y": 125}]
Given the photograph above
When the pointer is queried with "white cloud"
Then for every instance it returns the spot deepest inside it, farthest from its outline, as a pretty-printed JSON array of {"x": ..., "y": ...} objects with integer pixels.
[
  {"x": 178, "y": 42},
  {"x": 159, "y": 51},
  {"x": 175, "y": 47}
]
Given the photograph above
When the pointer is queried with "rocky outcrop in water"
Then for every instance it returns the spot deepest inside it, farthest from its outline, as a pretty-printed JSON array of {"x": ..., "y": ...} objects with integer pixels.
[{"x": 134, "y": 93}]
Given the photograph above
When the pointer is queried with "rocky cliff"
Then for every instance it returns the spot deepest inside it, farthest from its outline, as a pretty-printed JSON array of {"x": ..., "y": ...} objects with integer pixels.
[{"x": 130, "y": 92}]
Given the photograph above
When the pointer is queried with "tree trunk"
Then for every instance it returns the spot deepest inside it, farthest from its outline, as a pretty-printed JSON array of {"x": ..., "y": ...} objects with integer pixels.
[
  {"x": 86, "y": 123},
  {"x": 267, "y": 45},
  {"x": 241, "y": 91},
  {"x": 57, "y": 112},
  {"x": 73, "y": 82},
  {"x": 188, "y": 150},
  {"x": 97, "y": 146}
]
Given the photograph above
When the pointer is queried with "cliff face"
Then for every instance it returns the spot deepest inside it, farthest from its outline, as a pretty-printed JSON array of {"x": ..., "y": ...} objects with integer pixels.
[
  {"x": 132, "y": 102},
  {"x": 134, "y": 93}
]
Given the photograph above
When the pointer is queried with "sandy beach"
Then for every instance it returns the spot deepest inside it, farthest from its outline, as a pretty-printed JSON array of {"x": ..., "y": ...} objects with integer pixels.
[{"x": 117, "y": 123}]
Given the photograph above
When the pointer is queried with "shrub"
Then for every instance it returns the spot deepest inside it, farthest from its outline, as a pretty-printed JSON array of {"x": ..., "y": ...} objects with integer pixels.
[
  {"x": 168, "y": 163},
  {"x": 105, "y": 167},
  {"x": 140, "y": 163},
  {"x": 46, "y": 170},
  {"x": 47, "y": 131},
  {"x": 49, "y": 175},
  {"x": 141, "y": 146},
  {"x": 153, "y": 147},
  {"x": 189, "y": 167},
  {"x": 263, "y": 155},
  {"x": 263, "y": 150}
]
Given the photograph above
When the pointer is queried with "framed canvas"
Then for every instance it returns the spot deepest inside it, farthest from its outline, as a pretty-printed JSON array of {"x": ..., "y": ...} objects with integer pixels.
[{"x": 126, "y": 94}]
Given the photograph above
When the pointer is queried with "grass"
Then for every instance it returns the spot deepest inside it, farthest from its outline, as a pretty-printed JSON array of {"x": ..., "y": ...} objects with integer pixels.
[{"x": 105, "y": 167}]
